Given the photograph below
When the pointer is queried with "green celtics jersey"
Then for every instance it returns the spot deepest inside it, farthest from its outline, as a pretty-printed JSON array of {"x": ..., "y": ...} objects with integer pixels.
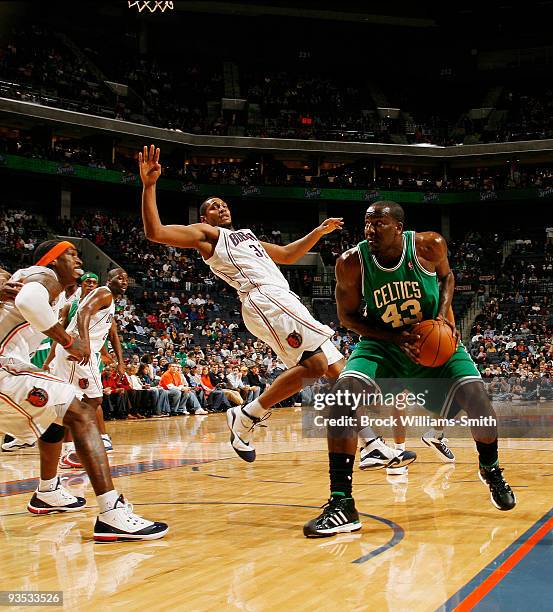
[
  {"x": 400, "y": 296},
  {"x": 41, "y": 353},
  {"x": 72, "y": 310}
]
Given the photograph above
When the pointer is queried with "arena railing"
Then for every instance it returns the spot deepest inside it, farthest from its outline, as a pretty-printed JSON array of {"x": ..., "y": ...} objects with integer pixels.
[{"x": 154, "y": 134}]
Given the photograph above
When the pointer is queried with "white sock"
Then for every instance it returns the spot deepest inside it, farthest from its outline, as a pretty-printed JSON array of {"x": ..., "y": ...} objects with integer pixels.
[
  {"x": 67, "y": 447},
  {"x": 106, "y": 501},
  {"x": 399, "y": 446},
  {"x": 48, "y": 485},
  {"x": 255, "y": 409}
]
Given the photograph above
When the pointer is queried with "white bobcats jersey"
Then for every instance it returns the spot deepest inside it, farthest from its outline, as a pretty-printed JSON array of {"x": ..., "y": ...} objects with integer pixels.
[
  {"x": 241, "y": 261},
  {"x": 99, "y": 325},
  {"x": 17, "y": 337}
]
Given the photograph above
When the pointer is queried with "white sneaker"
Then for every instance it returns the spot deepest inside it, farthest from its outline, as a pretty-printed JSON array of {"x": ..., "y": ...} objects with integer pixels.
[
  {"x": 15, "y": 444},
  {"x": 241, "y": 427},
  {"x": 107, "y": 443},
  {"x": 200, "y": 411},
  {"x": 439, "y": 445},
  {"x": 377, "y": 455},
  {"x": 120, "y": 524},
  {"x": 58, "y": 500}
]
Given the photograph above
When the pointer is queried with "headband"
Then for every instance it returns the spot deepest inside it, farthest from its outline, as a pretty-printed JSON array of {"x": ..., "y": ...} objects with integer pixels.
[
  {"x": 54, "y": 253},
  {"x": 88, "y": 275}
]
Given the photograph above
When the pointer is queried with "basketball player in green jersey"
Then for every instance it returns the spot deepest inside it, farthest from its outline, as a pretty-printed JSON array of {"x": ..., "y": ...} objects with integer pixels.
[{"x": 403, "y": 277}]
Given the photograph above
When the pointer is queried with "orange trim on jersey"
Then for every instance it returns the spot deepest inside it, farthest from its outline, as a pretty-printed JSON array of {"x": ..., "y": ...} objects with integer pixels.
[
  {"x": 33, "y": 373},
  {"x": 267, "y": 323},
  {"x": 15, "y": 330},
  {"x": 55, "y": 252},
  {"x": 22, "y": 411}
]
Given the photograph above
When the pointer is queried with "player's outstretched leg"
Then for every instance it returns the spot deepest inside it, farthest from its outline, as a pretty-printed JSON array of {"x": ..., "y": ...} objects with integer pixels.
[
  {"x": 116, "y": 521},
  {"x": 50, "y": 496},
  {"x": 242, "y": 420},
  {"x": 473, "y": 399}
]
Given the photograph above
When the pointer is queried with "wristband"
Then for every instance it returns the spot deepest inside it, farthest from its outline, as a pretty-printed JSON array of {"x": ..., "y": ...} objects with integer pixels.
[{"x": 66, "y": 346}]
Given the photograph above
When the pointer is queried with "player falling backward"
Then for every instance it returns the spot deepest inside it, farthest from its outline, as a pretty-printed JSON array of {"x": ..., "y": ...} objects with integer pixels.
[
  {"x": 403, "y": 277},
  {"x": 92, "y": 318},
  {"x": 270, "y": 310},
  {"x": 37, "y": 405}
]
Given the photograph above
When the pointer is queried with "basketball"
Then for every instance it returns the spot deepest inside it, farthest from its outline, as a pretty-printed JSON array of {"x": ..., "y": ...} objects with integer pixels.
[{"x": 437, "y": 343}]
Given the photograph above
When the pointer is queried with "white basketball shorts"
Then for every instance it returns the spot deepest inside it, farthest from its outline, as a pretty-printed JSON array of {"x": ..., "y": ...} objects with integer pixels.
[
  {"x": 85, "y": 380},
  {"x": 30, "y": 399},
  {"x": 277, "y": 317}
]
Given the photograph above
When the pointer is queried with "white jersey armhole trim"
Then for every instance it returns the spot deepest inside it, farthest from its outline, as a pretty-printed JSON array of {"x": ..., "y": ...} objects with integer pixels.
[
  {"x": 417, "y": 262},
  {"x": 362, "y": 270},
  {"x": 396, "y": 267}
]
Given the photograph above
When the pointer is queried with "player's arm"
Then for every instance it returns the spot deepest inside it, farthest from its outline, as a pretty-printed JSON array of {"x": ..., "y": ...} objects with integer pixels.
[
  {"x": 432, "y": 247},
  {"x": 117, "y": 349},
  {"x": 290, "y": 253},
  {"x": 349, "y": 296},
  {"x": 101, "y": 299},
  {"x": 64, "y": 320},
  {"x": 8, "y": 290},
  {"x": 33, "y": 302},
  {"x": 199, "y": 236}
]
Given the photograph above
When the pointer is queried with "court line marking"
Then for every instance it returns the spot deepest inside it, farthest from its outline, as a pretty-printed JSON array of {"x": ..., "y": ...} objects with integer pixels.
[
  {"x": 398, "y": 533},
  {"x": 468, "y": 596}
]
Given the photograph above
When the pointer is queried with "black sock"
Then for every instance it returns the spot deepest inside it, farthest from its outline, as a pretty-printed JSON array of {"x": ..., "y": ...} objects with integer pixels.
[
  {"x": 341, "y": 472},
  {"x": 487, "y": 453}
]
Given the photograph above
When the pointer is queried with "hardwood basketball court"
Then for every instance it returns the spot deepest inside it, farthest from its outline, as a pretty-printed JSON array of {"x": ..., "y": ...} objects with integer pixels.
[{"x": 236, "y": 537}]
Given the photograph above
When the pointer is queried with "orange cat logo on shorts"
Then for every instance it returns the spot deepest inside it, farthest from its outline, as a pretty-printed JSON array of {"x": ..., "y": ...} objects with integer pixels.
[
  {"x": 294, "y": 340},
  {"x": 37, "y": 397}
]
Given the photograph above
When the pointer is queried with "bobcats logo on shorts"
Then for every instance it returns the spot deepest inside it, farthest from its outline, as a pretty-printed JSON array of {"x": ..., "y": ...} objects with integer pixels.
[
  {"x": 83, "y": 383},
  {"x": 37, "y": 397},
  {"x": 294, "y": 340}
]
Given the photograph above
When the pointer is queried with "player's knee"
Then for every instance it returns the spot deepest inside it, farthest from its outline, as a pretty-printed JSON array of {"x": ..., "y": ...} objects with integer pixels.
[
  {"x": 53, "y": 434},
  {"x": 316, "y": 366}
]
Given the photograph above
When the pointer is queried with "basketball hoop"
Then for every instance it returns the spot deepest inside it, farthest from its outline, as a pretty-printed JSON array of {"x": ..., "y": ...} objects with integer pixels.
[{"x": 151, "y": 5}]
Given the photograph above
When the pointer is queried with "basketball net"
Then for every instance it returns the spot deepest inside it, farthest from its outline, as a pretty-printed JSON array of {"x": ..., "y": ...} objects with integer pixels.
[{"x": 151, "y": 5}]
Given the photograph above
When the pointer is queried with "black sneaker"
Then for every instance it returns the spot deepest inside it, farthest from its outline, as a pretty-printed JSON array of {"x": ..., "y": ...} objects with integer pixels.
[
  {"x": 339, "y": 516},
  {"x": 439, "y": 445},
  {"x": 501, "y": 494}
]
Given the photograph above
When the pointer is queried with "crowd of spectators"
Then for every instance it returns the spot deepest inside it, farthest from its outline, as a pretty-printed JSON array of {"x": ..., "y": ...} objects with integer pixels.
[
  {"x": 20, "y": 232},
  {"x": 42, "y": 66},
  {"x": 512, "y": 339}
]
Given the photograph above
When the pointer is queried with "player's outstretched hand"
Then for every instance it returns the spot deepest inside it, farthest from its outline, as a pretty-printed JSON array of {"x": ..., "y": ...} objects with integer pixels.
[
  {"x": 150, "y": 168},
  {"x": 331, "y": 224}
]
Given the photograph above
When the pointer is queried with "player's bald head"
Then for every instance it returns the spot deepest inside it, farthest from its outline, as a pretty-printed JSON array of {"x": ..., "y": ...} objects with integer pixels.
[
  {"x": 115, "y": 272},
  {"x": 386, "y": 208}
]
